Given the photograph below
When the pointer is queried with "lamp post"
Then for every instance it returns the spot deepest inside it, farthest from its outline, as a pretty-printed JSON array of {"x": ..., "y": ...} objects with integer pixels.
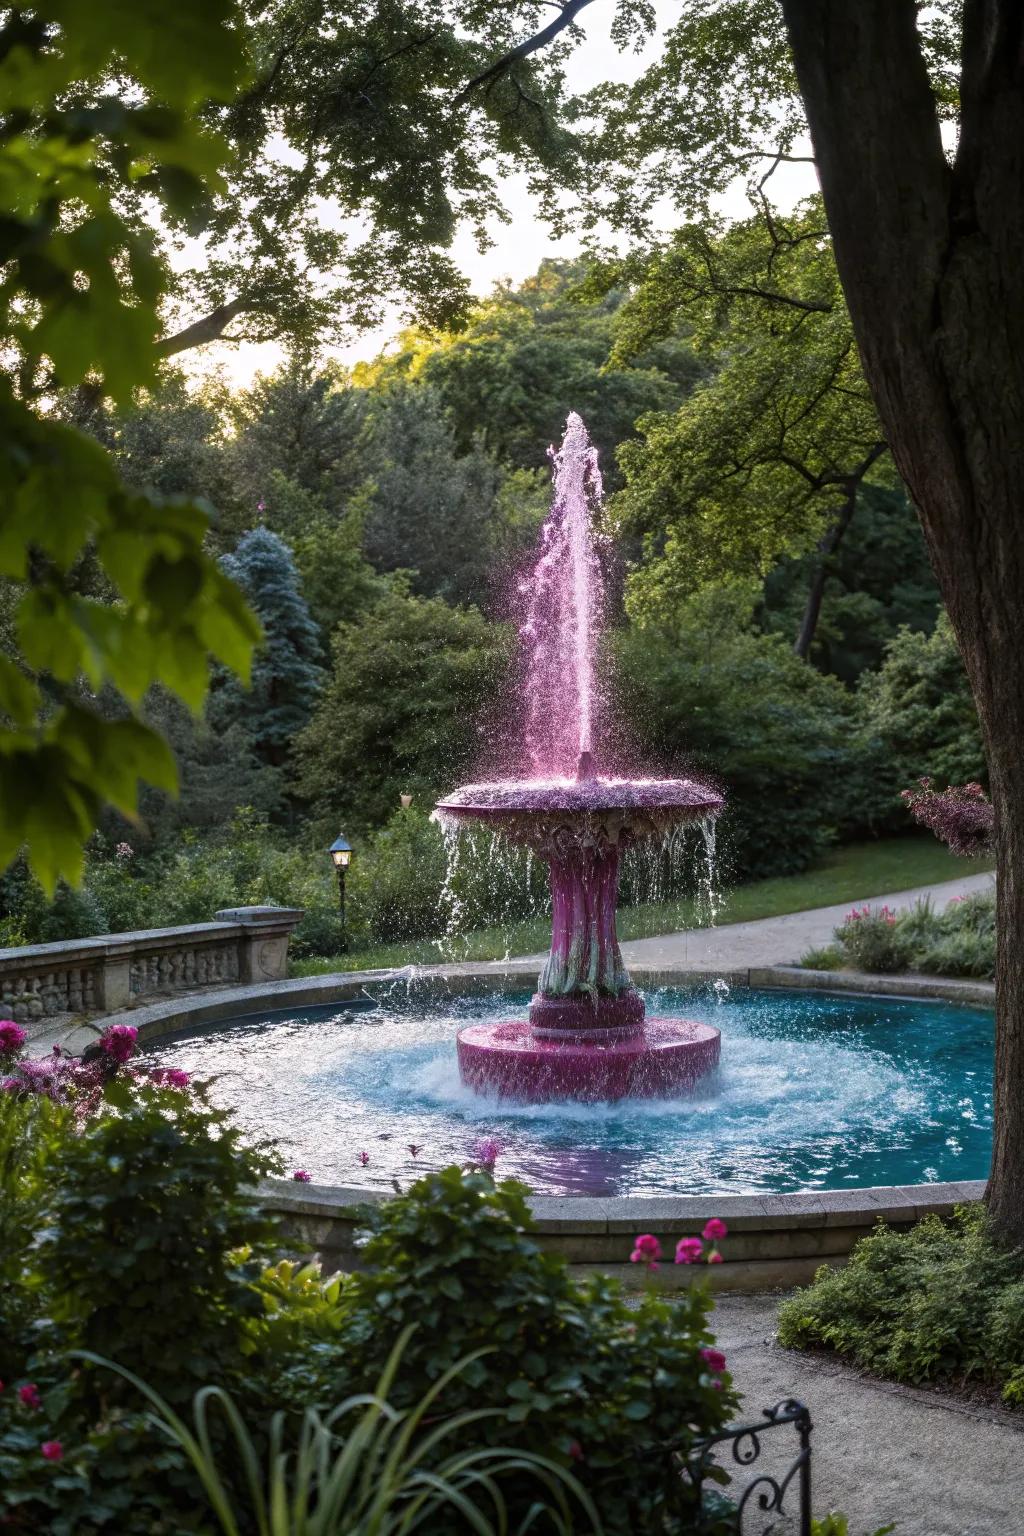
[{"x": 341, "y": 853}]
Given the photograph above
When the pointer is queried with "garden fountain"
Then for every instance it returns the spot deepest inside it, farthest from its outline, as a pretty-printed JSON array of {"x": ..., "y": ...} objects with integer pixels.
[{"x": 586, "y": 1036}]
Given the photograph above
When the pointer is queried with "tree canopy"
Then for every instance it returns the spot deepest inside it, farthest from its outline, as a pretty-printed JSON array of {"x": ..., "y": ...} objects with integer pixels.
[
  {"x": 100, "y": 113},
  {"x": 767, "y": 457}
]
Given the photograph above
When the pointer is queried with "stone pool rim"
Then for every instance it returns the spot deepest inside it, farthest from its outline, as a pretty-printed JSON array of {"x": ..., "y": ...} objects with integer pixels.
[{"x": 775, "y": 1240}]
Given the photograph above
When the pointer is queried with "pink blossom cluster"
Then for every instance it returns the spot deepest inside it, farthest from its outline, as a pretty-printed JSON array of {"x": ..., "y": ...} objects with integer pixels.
[
  {"x": 30, "y": 1400},
  {"x": 855, "y": 914},
  {"x": 961, "y": 816},
  {"x": 78, "y": 1080},
  {"x": 689, "y": 1250}
]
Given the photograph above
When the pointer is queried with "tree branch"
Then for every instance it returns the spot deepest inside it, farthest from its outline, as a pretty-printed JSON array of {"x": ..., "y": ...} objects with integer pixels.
[
  {"x": 566, "y": 16},
  {"x": 210, "y": 328}
]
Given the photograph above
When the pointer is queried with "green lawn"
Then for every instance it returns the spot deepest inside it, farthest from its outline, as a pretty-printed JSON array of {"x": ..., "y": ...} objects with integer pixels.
[{"x": 853, "y": 873}]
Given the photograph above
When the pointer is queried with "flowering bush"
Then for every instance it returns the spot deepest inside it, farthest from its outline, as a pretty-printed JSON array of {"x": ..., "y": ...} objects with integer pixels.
[
  {"x": 959, "y": 940},
  {"x": 961, "y": 816},
  {"x": 570, "y": 1370},
  {"x": 873, "y": 941},
  {"x": 79, "y": 1081}
]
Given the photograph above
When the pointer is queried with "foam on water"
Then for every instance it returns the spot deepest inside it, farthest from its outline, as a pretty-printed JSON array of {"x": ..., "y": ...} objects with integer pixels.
[{"x": 813, "y": 1092}]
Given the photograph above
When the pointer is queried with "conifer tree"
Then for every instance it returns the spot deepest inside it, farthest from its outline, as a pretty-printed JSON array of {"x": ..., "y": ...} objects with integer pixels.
[{"x": 286, "y": 674}]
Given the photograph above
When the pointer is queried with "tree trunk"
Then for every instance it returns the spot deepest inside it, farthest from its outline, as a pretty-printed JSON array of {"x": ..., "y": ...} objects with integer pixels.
[
  {"x": 827, "y": 547},
  {"x": 929, "y": 258}
]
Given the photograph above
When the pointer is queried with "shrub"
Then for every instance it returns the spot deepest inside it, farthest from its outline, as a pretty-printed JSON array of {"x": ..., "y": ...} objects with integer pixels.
[
  {"x": 961, "y": 816},
  {"x": 144, "y": 1211},
  {"x": 572, "y": 1371},
  {"x": 940, "y": 1301},
  {"x": 874, "y": 941},
  {"x": 828, "y": 959}
]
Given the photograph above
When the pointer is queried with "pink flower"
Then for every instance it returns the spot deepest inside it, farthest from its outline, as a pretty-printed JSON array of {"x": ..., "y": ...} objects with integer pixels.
[
  {"x": 12, "y": 1036},
  {"x": 364, "y": 1158},
  {"x": 124, "y": 851},
  {"x": 302, "y": 1177},
  {"x": 715, "y": 1230},
  {"x": 713, "y": 1359},
  {"x": 715, "y": 1257},
  {"x": 118, "y": 1041},
  {"x": 170, "y": 1077},
  {"x": 688, "y": 1250},
  {"x": 52, "y": 1450},
  {"x": 646, "y": 1250},
  {"x": 29, "y": 1395}
]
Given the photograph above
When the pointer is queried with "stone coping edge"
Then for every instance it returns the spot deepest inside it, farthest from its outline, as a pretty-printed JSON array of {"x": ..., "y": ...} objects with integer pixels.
[
  {"x": 670, "y": 1214},
  {"x": 186, "y": 1011}
]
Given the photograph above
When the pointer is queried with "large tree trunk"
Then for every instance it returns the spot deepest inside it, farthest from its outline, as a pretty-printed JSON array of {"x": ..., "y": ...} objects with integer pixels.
[{"x": 930, "y": 259}]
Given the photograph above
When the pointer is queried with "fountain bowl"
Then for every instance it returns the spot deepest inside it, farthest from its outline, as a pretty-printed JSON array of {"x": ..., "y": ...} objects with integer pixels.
[{"x": 659, "y": 1060}]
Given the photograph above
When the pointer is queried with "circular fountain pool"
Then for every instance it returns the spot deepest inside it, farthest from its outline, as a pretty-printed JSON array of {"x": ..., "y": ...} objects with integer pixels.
[{"x": 814, "y": 1092}]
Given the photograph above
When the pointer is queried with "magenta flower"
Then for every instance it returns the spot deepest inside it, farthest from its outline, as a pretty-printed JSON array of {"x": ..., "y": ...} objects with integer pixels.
[
  {"x": 29, "y": 1395},
  {"x": 646, "y": 1250},
  {"x": 715, "y": 1257},
  {"x": 713, "y": 1359},
  {"x": 119, "y": 1040},
  {"x": 364, "y": 1158},
  {"x": 12, "y": 1036},
  {"x": 52, "y": 1450},
  {"x": 302, "y": 1177},
  {"x": 688, "y": 1250},
  {"x": 170, "y": 1077},
  {"x": 715, "y": 1230}
]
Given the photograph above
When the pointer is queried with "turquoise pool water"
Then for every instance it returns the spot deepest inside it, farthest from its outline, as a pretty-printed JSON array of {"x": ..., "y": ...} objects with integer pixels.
[{"x": 814, "y": 1091}]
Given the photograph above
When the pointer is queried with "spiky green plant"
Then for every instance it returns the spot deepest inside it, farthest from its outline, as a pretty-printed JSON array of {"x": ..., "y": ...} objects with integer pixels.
[{"x": 365, "y": 1468}]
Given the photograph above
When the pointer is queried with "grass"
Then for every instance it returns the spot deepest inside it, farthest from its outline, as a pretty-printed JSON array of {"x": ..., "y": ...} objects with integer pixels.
[{"x": 854, "y": 873}]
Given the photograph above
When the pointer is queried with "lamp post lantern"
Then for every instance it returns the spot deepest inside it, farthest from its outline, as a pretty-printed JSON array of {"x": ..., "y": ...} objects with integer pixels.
[{"x": 341, "y": 854}]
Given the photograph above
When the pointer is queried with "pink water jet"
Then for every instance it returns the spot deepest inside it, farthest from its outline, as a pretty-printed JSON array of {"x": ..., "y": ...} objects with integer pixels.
[{"x": 586, "y": 1037}]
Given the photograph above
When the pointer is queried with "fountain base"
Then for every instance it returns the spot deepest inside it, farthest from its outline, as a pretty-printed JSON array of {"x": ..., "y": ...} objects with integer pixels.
[{"x": 665, "y": 1057}]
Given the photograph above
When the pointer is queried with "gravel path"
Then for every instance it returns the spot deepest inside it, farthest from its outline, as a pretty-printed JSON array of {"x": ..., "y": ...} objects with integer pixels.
[{"x": 882, "y": 1453}]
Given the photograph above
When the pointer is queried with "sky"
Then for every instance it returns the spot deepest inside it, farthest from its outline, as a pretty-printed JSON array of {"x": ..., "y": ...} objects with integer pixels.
[{"x": 521, "y": 245}]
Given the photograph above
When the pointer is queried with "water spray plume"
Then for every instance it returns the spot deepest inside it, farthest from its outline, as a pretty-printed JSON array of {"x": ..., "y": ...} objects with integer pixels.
[{"x": 586, "y": 1037}]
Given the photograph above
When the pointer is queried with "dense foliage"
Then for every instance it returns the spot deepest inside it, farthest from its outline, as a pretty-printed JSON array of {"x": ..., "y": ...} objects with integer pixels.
[{"x": 942, "y": 1302}]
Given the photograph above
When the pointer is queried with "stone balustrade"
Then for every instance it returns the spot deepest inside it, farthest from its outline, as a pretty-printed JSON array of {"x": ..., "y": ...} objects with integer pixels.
[{"x": 99, "y": 975}]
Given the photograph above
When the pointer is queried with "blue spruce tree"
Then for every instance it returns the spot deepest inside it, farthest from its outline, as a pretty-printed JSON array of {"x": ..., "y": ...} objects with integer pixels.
[{"x": 286, "y": 674}]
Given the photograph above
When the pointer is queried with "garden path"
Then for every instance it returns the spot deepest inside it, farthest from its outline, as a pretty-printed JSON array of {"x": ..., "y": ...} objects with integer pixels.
[
  {"x": 933, "y": 1465},
  {"x": 774, "y": 940}
]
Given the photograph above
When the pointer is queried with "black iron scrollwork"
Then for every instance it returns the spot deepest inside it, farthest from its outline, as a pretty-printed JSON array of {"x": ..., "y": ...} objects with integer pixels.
[{"x": 766, "y": 1494}]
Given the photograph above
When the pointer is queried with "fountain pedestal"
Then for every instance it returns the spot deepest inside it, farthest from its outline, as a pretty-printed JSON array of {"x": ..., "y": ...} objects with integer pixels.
[{"x": 586, "y": 1037}]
